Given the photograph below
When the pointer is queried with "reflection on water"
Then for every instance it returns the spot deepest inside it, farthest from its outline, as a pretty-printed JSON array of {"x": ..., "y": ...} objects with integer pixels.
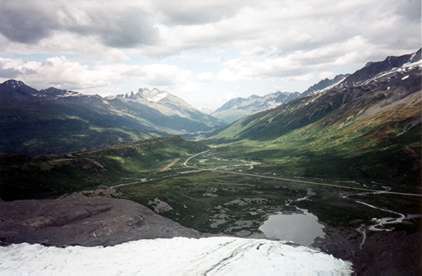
[{"x": 302, "y": 227}]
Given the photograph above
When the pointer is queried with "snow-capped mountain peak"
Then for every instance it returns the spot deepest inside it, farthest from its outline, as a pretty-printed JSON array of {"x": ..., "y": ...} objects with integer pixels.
[
  {"x": 152, "y": 95},
  {"x": 239, "y": 107},
  {"x": 389, "y": 65},
  {"x": 325, "y": 84},
  {"x": 14, "y": 84},
  {"x": 156, "y": 103}
]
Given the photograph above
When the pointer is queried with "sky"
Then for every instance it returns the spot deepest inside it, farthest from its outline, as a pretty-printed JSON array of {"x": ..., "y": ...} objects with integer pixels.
[{"x": 206, "y": 52}]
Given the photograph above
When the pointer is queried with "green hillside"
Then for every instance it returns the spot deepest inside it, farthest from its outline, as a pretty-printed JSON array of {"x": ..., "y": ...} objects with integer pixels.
[
  {"x": 55, "y": 121},
  {"x": 368, "y": 130},
  {"x": 46, "y": 176}
]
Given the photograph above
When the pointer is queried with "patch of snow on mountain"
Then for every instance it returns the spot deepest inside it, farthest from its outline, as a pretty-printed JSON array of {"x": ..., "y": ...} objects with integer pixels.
[
  {"x": 413, "y": 64},
  {"x": 405, "y": 68},
  {"x": 329, "y": 87},
  {"x": 273, "y": 104},
  {"x": 69, "y": 94},
  {"x": 158, "y": 97},
  {"x": 152, "y": 95},
  {"x": 15, "y": 84},
  {"x": 176, "y": 256}
]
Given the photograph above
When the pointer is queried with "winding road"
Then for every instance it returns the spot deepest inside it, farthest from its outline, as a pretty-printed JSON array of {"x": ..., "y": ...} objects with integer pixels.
[
  {"x": 378, "y": 223},
  {"x": 308, "y": 182}
]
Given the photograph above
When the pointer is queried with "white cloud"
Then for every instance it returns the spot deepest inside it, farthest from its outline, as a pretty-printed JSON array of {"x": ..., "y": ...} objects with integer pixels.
[
  {"x": 193, "y": 12},
  {"x": 198, "y": 47},
  {"x": 55, "y": 71},
  {"x": 65, "y": 73}
]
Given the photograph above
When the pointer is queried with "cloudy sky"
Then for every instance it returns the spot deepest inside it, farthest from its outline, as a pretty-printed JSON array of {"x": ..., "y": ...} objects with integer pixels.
[{"x": 203, "y": 51}]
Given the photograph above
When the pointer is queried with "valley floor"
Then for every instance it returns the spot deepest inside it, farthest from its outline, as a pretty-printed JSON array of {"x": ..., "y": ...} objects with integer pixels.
[
  {"x": 360, "y": 220},
  {"x": 371, "y": 225}
]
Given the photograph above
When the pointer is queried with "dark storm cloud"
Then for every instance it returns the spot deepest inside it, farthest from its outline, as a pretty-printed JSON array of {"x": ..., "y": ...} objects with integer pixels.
[
  {"x": 120, "y": 29},
  {"x": 409, "y": 9},
  {"x": 9, "y": 73},
  {"x": 26, "y": 22},
  {"x": 23, "y": 22}
]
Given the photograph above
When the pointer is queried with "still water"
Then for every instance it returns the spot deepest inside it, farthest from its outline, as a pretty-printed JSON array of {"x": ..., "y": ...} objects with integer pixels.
[{"x": 301, "y": 227}]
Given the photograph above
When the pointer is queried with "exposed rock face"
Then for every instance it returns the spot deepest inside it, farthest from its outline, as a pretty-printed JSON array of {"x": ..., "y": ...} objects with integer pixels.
[
  {"x": 372, "y": 69},
  {"x": 388, "y": 253},
  {"x": 160, "y": 206},
  {"x": 80, "y": 220},
  {"x": 324, "y": 84}
]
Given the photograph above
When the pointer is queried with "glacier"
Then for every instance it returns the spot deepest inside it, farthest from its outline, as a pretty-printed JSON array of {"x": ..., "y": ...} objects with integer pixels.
[{"x": 175, "y": 256}]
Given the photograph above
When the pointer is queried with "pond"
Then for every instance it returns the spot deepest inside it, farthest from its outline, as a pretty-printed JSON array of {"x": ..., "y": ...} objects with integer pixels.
[{"x": 301, "y": 227}]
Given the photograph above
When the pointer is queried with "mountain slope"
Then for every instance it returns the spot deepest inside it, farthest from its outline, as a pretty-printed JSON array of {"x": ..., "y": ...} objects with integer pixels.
[
  {"x": 367, "y": 123},
  {"x": 237, "y": 108},
  {"x": 324, "y": 85},
  {"x": 24, "y": 177},
  {"x": 388, "y": 65},
  {"x": 170, "y": 113},
  {"x": 57, "y": 121}
]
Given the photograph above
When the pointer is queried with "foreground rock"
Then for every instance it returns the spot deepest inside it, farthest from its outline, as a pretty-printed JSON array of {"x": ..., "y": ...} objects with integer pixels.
[
  {"x": 176, "y": 256},
  {"x": 81, "y": 220},
  {"x": 383, "y": 253}
]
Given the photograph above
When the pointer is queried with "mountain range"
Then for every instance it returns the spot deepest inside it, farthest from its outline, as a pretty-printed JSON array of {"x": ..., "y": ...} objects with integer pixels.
[
  {"x": 369, "y": 123},
  {"x": 237, "y": 108},
  {"x": 172, "y": 114},
  {"x": 56, "y": 121}
]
